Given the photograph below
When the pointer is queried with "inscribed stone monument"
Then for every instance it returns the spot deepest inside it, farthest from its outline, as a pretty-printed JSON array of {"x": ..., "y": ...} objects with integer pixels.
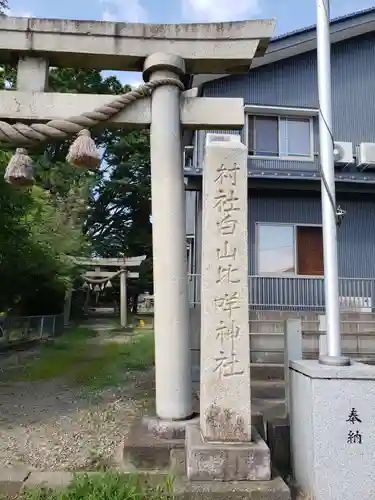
[
  {"x": 225, "y": 413},
  {"x": 224, "y": 447},
  {"x": 332, "y": 429}
]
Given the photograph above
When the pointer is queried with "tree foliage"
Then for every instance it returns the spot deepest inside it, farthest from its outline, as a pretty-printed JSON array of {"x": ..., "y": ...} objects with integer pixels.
[
  {"x": 119, "y": 221},
  {"x": 3, "y": 6},
  {"x": 42, "y": 228},
  {"x": 37, "y": 235},
  {"x": 72, "y": 211}
]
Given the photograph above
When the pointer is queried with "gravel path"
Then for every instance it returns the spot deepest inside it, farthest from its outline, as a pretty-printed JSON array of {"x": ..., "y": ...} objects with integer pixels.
[{"x": 49, "y": 426}]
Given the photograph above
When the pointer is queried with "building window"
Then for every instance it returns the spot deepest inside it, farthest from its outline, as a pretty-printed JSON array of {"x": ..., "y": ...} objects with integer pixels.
[
  {"x": 290, "y": 249},
  {"x": 280, "y": 137}
]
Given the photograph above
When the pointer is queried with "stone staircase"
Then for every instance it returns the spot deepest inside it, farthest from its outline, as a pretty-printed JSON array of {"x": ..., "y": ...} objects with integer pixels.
[
  {"x": 267, "y": 381},
  {"x": 267, "y": 349},
  {"x": 267, "y": 346}
]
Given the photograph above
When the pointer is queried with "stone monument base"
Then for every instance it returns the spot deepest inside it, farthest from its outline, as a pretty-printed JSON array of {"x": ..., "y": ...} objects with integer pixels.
[
  {"x": 332, "y": 421},
  {"x": 156, "y": 448},
  {"x": 207, "y": 461},
  {"x": 152, "y": 441}
]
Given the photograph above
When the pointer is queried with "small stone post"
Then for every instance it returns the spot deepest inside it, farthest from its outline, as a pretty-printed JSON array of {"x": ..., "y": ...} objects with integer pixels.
[
  {"x": 67, "y": 307},
  {"x": 123, "y": 299},
  {"x": 293, "y": 350},
  {"x": 171, "y": 317},
  {"x": 222, "y": 447},
  {"x": 322, "y": 335}
]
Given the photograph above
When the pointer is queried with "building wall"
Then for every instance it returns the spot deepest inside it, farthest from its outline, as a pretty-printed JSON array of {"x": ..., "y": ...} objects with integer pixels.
[
  {"x": 356, "y": 235},
  {"x": 293, "y": 83},
  {"x": 190, "y": 197}
]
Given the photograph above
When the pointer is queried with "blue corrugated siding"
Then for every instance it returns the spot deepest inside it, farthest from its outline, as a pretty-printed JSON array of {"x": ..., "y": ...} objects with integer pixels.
[
  {"x": 293, "y": 82},
  {"x": 356, "y": 250},
  {"x": 356, "y": 236},
  {"x": 190, "y": 197}
]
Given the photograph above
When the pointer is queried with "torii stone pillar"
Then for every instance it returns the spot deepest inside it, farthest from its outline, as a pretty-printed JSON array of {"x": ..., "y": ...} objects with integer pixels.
[{"x": 172, "y": 343}]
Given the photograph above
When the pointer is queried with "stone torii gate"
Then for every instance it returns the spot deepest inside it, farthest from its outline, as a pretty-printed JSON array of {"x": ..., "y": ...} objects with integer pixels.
[{"x": 173, "y": 52}]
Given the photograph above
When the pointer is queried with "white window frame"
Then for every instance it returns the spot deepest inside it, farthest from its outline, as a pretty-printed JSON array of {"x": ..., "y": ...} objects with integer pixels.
[
  {"x": 295, "y": 256},
  {"x": 293, "y": 114}
]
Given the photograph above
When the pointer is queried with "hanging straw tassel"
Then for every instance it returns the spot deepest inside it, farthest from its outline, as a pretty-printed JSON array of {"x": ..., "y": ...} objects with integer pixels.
[
  {"x": 83, "y": 152},
  {"x": 20, "y": 171}
]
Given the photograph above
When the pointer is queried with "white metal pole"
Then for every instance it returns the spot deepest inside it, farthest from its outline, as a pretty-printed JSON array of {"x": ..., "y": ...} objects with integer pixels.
[{"x": 331, "y": 281}]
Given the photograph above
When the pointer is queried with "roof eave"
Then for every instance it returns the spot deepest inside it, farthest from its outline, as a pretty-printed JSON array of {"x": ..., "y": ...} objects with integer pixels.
[{"x": 303, "y": 41}]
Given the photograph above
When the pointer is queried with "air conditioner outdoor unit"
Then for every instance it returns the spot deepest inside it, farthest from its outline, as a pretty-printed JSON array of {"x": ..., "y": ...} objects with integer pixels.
[
  {"x": 210, "y": 137},
  {"x": 355, "y": 304},
  {"x": 343, "y": 153},
  {"x": 366, "y": 155}
]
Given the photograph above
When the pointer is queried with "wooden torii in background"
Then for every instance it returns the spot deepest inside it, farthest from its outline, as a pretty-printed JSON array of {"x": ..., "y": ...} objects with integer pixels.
[{"x": 121, "y": 268}]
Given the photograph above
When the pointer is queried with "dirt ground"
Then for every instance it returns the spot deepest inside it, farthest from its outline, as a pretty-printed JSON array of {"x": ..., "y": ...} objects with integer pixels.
[{"x": 49, "y": 425}]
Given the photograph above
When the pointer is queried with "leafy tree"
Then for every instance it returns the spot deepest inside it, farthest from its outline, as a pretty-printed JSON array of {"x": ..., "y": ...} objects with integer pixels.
[
  {"x": 119, "y": 221},
  {"x": 51, "y": 217},
  {"x": 52, "y": 170},
  {"x": 42, "y": 226},
  {"x": 3, "y": 6},
  {"x": 36, "y": 237}
]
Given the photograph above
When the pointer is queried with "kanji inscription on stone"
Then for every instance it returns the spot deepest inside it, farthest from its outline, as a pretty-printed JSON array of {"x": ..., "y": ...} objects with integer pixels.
[
  {"x": 225, "y": 357},
  {"x": 354, "y": 437}
]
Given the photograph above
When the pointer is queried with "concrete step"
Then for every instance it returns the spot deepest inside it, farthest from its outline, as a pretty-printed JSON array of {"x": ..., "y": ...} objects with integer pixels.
[
  {"x": 268, "y": 389},
  {"x": 145, "y": 450},
  {"x": 267, "y": 357},
  {"x": 277, "y": 358},
  {"x": 267, "y": 371},
  {"x": 268, "y": 408}
]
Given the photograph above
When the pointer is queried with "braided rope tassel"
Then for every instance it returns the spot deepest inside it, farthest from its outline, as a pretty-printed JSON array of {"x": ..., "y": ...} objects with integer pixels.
[
  {"x": 20, "y": 171},
  {"x": 83, "y": 152}
]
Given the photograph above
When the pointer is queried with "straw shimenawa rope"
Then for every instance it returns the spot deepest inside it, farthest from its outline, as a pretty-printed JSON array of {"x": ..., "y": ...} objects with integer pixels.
[{"x": 21, "y": 134}]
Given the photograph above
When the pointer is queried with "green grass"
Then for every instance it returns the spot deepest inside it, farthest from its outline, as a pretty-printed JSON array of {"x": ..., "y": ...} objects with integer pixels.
[
  {"x": 107, "y": 486},
  {"x": 79, "y": 360}
]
